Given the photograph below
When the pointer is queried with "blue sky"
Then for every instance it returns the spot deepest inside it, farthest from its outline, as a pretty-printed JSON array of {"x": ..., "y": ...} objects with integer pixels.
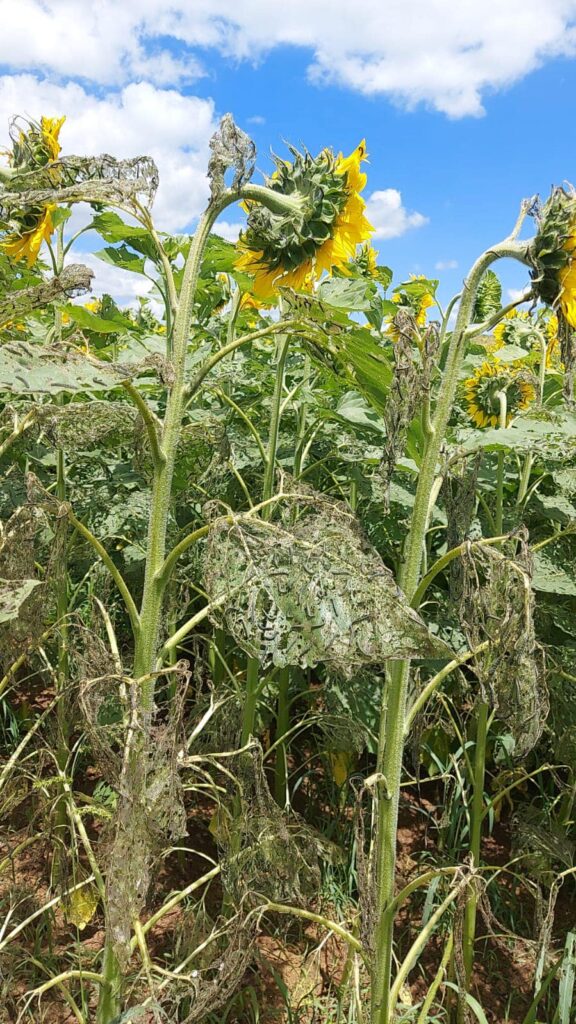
[
  {"x": 466, "y": 108},
  {"x": 467, "y": 176}
]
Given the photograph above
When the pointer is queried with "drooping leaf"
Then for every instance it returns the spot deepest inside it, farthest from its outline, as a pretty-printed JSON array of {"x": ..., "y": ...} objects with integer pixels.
[
  {"x": 315, "y": 592},
  {"x": 91, "y": 322},
  {"x": 81, "y": 906},
  {"x": 113, "y": 229},
  {"x": 121, "y": 256}
]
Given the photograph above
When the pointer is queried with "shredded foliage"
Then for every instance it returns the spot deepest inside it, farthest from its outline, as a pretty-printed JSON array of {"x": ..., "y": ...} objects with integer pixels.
[
  {"x": 74, "y": 280},
  {"x": 313, "y": 592},
  {"x": 95, "y": 180},
  {"x": 498, "y": 604},
  {"x": 230, "y": 147},
  {"x": 410, "y": 388}
]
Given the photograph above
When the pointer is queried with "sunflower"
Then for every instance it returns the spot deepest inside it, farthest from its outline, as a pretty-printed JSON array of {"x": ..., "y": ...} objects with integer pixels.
[
  {"x": 481, "y": 392},
  {"x": 567, "y": 280},
  {"x": 414, "y": 303},
  {"x": 50, "y": 131},
  {"x": 553, "y": 255},
  {"x": 551, "y": 332},
  {"x": 294, "y": 250},
  {"x": 35, "y": 144},
  {"x": 504, "y": 331},
  {"x": 27, "y": 245},
  {"x": 36, "y": 147}
]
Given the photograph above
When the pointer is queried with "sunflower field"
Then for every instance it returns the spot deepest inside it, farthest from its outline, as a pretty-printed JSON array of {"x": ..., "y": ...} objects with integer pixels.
[{"x": 287, "y": 606}]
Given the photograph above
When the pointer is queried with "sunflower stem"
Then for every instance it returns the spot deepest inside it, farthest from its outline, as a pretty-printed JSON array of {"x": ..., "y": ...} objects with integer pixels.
[
  {"x": 502, "y": 420},
  {"x": 476, "y": 818},
  {"x": 393, "y": 715}
]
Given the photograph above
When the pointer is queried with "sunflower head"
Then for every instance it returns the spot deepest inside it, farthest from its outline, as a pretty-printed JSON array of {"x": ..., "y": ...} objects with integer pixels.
[
  {"x": 481, "y": 392},
  {"x": 26, "y": 243},
  {"x": 364, "y": 263},
  {"x": 507, "y": 332},
  {"x": 553, "y": 254},
  {"x": 35, "y": 144},
  {"x": 295, "y": 249},
  {"x": 413, "y": 299}
]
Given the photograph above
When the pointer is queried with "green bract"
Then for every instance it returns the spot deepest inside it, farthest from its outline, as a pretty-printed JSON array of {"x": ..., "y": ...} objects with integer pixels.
[{"x": 288, "y": 241}]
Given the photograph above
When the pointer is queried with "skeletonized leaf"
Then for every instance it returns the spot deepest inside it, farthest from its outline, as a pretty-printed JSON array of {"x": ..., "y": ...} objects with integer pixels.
[
  {"x": 13, "y": 594},
  {"x": 316, "y": 592},
  {"x": 32, "y": 370}
]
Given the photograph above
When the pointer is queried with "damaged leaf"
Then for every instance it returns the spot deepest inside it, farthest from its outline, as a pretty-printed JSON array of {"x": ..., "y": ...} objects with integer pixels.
[{"x": 317, "y": 592}]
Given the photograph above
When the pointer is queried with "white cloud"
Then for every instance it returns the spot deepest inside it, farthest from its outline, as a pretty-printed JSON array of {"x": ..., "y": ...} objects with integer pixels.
[
  {"x": 446, "y": 265},
  {"x": 445, "y": 54},
  {"x": 229, "y": 230},
  {"x": 256, "y": 119},
  {"x": 140, "y": 119},
  {"x": 515, "y": 294},
  {"x": 389, "y": 216},
  {"x": 122, "y": 284}
]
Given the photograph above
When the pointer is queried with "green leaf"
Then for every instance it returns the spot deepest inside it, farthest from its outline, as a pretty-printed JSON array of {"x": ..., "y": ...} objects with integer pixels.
[
  {"x": 472, "y": 1003},
  {"x": 61, "y": 215},
  {"x": 219, "y": 255},
  {"x": 417, "y": 288},
  {"x": 555, "y": 506},
  {"x": 550, "y": 577},
  {"x": 384, "y": 276},
  {"x": 90, "y": 322},
  {"x": 346, "y": 294},
  {"x": 112, "y": 228},
  {"x": 30, "y": 370},
  {"x": 553, "y": 437},
  {"x": 353, "y": 408},
  {"x": 510, "y": 353},
  {"x": 122, "y": 256},
  {"x": 13, "y": 594}
]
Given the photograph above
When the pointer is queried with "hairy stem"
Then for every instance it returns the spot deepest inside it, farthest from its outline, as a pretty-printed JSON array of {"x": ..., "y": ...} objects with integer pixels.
[
  {"x": 393, "y": 716},
  {"x": 476, "y": 816}
]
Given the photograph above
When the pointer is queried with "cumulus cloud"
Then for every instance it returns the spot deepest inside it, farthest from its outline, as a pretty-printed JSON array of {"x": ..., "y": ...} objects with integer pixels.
[
  {"x": 229, "y": 230},
  {"x": 515, "y": 294},
  {"x": 446, "y": 55},
  {"x": 125, "y": 286},
  {"x": 139, "y": 119},
  {"x": 389, "y": 216},
  {"x": 446, "y": 265}
]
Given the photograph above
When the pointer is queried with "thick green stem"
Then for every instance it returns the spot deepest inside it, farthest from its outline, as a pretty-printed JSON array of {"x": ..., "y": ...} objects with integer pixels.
[
  {"x": 109, "y": 1006},
  {"x": 392, "y": 724},
  {"x": 154, "y": 585},
  {"x": 282, "y": 727},
  {"x": 268, "y": 485},
  {"x": 499, "y": 517},
  {"x": 282, "y": 706},
  {"x": 148, "y": 625},
  {"x": 476, "y": 816}
]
